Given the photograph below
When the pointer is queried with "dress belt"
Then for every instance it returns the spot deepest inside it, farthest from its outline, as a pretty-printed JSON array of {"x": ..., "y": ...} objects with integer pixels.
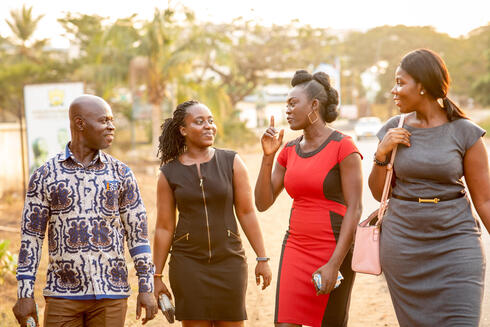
[{"x": 431, "y": 200}]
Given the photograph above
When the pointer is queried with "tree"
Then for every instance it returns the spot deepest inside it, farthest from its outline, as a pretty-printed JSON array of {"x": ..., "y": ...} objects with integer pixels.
[
  {"x": 241, "y": 54},
  {"x": 383, "y": 47},
  {"x": 23, "y": 25},
  {"x": 478, "y": 57},
  {"x": 24, "y": 60},
  {"x": 105, "y": 51},
  {"x": 169, "y": 47}
]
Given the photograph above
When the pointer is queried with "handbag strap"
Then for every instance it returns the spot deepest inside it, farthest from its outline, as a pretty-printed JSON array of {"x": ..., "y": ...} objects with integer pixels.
[{"x": 389, "y": 175}]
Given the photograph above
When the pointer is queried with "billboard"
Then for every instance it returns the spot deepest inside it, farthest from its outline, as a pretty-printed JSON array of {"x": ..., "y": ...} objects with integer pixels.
[{"x": 47, "y": 122}]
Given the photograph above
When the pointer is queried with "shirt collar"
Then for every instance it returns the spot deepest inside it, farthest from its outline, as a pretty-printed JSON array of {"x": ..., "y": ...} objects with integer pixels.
[{"x": 68, "y": 154}]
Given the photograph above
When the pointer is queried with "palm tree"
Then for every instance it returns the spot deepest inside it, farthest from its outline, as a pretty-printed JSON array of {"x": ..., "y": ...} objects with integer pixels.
[
  {"x": 167, "y": 46},
  {"x": 23, "y": 25}
]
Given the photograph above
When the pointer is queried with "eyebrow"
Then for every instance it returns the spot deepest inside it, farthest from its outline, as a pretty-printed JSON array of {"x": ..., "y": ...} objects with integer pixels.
[
  {"x": 291, "y": 98},
  {"x": 202, "y": 117}
]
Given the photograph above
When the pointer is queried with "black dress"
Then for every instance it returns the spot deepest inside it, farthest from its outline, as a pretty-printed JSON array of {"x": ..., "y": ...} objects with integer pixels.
[{"x": 208, "y": 269}]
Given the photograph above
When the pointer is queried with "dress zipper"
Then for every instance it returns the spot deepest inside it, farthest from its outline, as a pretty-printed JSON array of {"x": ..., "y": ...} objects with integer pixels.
[
  {"x": 207, "y": 218},
  {"x": 186, "y": 236}
]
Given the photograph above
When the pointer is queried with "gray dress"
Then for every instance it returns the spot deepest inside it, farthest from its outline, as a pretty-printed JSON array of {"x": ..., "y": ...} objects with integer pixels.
[{"x": 432, "y": 254}]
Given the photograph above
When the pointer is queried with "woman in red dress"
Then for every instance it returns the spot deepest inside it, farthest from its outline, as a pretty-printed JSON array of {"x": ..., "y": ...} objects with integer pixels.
[{"x": 321, "y": 171}]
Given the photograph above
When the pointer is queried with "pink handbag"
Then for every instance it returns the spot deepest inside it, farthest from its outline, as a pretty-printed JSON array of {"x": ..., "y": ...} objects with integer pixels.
[{"x": 365, "y": 258}]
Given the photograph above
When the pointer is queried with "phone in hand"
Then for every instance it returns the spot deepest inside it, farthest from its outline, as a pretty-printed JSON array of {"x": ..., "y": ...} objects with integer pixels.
[
  {"x": 317, "y": 280},
  {"x": 167, "y": 307}
]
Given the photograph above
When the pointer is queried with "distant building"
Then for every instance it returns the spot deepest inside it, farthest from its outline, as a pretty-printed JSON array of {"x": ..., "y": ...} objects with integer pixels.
[{"x": 257, "y": 108}]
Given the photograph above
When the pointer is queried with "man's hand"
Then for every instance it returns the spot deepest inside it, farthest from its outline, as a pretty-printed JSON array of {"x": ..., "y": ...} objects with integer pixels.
[
  {"x": 25, "y": 308},
  {"x": 147, "y": 301}
]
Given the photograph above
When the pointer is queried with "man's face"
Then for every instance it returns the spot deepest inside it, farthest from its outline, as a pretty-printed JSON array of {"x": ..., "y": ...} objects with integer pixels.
[{"x": 99, "y": 129}]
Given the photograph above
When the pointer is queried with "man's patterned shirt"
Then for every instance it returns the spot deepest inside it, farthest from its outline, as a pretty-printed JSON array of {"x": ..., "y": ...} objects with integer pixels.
[{"x": 89, "y": 212}]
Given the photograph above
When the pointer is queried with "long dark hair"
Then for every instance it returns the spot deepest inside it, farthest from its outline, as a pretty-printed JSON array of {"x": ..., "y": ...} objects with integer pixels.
[
  {"x": 317, "y": 86},
  {"x": 428, "y": 68},
  {"x": 172, "y": 142}
]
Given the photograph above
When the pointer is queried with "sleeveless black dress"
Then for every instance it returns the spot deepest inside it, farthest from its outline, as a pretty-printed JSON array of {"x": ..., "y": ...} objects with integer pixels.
[{"x": 207, "y": 268}]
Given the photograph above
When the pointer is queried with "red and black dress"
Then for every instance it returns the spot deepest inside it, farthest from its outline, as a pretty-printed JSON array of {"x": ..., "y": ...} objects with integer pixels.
[{"x": 312, "y": 179}]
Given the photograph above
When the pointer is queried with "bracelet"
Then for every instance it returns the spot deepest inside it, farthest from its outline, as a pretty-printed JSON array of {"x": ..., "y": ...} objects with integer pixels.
[
  {"x": 265, "y": 259},
  {"x": 381, "y": 163},
  {"x": 158, "y": 275}
]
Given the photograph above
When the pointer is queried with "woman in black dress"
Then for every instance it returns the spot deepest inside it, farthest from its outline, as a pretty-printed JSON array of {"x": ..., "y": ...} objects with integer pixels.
[{"x": 207, "y": 268}]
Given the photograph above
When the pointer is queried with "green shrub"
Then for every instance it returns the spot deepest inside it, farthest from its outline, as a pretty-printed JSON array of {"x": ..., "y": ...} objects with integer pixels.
[
  {"x": 8, "y": 261},
  {"x": 235, "y": 134}
]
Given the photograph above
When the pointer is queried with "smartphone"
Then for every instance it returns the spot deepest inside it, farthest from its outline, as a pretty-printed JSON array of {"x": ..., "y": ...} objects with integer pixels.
[
  {"x": 31, "y": 322},
  {"x": 317, "y": 281},
  {"x": 167, "y": 307}
]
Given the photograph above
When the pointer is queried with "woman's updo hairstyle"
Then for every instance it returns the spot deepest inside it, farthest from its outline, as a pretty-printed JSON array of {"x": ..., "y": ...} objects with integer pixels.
[
  {"x": 172, "y": 142},
  {"x": 427, "y": 68},
  {"x": 317, "y": 86}
]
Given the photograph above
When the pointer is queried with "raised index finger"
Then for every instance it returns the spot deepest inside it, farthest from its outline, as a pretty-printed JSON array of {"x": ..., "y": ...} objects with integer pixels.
[{"x": 272, "y": 121}]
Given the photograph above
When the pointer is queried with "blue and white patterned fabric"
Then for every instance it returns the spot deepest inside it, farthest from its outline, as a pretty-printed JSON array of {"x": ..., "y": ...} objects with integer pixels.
[{"x": 89, "y": 212}]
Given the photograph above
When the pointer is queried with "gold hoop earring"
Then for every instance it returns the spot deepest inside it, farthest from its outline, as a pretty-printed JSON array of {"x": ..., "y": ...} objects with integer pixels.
[{"x": 309, "y": 118}]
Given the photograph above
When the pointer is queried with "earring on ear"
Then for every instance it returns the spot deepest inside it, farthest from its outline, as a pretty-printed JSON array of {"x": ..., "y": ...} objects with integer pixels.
[
  {"x": 422, "y": 92},
  {"x": 309, "y": 118}
]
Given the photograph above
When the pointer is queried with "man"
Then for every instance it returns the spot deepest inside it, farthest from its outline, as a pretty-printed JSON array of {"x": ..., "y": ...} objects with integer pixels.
[{"x": 90, "y": 203}]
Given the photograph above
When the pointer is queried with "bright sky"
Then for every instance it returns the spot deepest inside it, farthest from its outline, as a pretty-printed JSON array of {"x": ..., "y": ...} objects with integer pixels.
[{"x": 449, "y": 16}]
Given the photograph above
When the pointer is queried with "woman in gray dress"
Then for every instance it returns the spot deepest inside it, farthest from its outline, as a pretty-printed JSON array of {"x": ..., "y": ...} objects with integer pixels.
[{"x": 431, "y": 249}]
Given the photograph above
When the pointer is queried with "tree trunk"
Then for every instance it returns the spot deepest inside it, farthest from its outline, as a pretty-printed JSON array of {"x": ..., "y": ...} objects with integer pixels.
[{"x": 156, "y": 117}]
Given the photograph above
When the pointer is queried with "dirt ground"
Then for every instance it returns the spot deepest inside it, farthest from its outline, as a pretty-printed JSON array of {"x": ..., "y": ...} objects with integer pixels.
[{"x": 370, "y": 304}]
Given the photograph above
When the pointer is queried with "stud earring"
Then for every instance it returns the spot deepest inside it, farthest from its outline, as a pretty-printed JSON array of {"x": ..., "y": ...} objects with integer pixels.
[{"x": 422, "y": 92}]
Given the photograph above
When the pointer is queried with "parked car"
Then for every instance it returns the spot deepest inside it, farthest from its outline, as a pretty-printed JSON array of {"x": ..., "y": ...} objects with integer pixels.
[{"x": 367, "y": 127}]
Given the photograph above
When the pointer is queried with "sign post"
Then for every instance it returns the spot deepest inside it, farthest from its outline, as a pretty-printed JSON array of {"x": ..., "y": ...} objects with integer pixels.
[{"x": 47, "y": 122}]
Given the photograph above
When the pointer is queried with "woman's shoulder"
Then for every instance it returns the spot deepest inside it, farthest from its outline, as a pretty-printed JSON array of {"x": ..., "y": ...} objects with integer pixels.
[
  {"x": 467, "y": 131},
  {"x": 225, "y": 155},
  {"x": 393, "y": 121},
  {"x": 293, "y": 142},
  {"x": 465, "y": 123},
  {"x": 168, "y": 165},
  {"x": 225, "y": 152}
]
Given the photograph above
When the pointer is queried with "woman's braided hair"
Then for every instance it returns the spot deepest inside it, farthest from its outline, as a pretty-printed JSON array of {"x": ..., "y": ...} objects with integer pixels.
[
  {"x": 172, "y": 142},
  {"x": 317, "y": 86}
]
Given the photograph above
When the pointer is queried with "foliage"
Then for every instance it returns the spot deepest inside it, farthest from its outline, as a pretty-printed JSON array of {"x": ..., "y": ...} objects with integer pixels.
[
  {"x": 105, "y": 51},
  {"x": 242, "y": 53},
  {"x": 384, "y": 47},
  {"x": 8, "y": 261},
  {"x": 25, "y": 61},
  {"x": 480, "y": 71},
  {"x": 172, "y": 58},
  {"x": 23, "y": 25},
  {"x": 235, "y": 133},
  {"x": 169, "y": 49}
]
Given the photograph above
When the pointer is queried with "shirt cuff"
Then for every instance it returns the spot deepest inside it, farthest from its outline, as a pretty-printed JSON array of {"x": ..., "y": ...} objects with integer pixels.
[
  {"x": 25, "y": 288},
  {"x": 145, "y": 284}
]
